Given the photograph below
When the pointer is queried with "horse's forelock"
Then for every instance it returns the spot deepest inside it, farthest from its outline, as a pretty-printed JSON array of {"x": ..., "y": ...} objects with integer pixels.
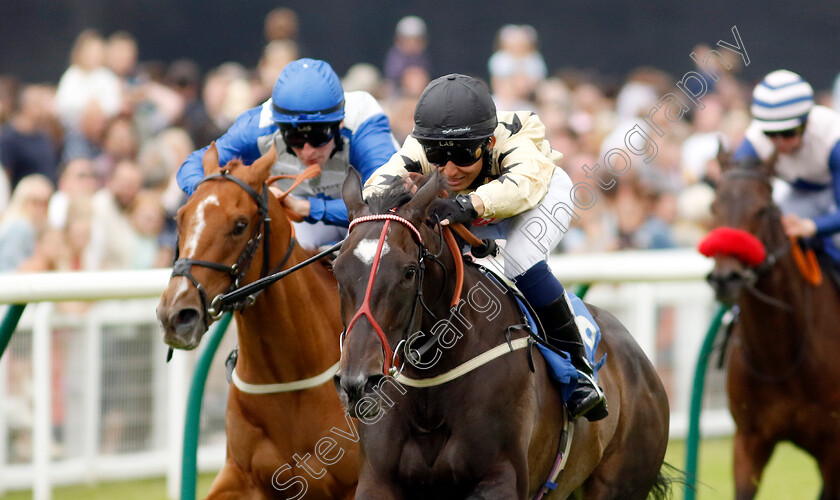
[
  {"x": 394, "y": 196},
  {"x": 234, "y": 164}
]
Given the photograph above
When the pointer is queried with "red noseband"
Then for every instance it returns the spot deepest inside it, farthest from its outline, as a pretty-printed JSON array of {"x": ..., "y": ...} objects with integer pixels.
[{"x": 735, "y": 242}]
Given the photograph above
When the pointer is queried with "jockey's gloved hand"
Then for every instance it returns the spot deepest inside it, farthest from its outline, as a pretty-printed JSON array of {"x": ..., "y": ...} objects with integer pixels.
[{"x": 457, "y": 210}]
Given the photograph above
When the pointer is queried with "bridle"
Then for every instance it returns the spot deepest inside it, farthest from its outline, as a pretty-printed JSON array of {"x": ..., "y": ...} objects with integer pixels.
[
  {"x": 391, "y": 361},
  {"x": 261, "y": 232},
  {"x": 766, "y": 213},
  {"x": 392, "y": 366}
]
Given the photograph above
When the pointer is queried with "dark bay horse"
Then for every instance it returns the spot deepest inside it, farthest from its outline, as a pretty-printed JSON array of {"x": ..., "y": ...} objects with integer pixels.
[
  {"x": 782, "y": 368},
  {"x": 279, "y": 444},
  {"x": 490, "y": 431}
]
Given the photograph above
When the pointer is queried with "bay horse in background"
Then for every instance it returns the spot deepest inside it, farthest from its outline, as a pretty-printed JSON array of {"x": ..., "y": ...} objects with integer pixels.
[
  {"x": 495, "y": 431},
  {"x": 782, "y": 367},
  {"x": 288, "y": 335}
]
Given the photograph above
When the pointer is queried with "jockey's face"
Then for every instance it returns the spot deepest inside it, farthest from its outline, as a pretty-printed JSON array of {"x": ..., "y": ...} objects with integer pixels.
[
  {"x": 459, "y": 177},
  {"x": 787, "y": 141},
  {"x": 312, "y": 143},
  {"x": 310, "y": 155}
]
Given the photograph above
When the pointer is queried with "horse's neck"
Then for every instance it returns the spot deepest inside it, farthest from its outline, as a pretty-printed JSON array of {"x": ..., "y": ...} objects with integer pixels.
[
  {"x": 291, "y": 331},
  {"x": 478, "y": 322},
  {"x": 773, "y": 318}
]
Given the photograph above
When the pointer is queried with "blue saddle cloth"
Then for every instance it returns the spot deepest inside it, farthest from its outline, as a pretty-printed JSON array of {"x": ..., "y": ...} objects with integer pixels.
[{"x": 560, "y": 365}]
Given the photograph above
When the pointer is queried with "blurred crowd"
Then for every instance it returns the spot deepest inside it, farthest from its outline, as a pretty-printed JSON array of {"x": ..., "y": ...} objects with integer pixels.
[{"x": 90, "y": 162}]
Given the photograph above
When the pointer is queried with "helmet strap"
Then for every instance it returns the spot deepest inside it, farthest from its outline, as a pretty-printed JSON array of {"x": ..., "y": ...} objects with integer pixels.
[
  {"x": 339, "y": 141},
  {"x": 486, "y": 157}
]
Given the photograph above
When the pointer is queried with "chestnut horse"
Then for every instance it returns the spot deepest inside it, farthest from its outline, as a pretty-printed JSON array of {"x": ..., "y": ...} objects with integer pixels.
[
  {"x": 782, "y": 371},
  {"x": 279, "y": 444},
  {"x": 439, "y": 428}
]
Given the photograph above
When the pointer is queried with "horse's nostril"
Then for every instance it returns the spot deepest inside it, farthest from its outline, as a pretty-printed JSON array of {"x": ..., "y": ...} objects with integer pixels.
[
  {"x": 719, "y": 279},
  {"x": 186, "y": 317},
  {"x": 357, "y": 387},
  {"x": 373, "y": 383},
  {"x": 733, "y": 276}
]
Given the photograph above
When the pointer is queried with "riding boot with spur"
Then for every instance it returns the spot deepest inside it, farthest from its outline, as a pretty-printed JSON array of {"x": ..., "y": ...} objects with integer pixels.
[{"x": 562, "y": 332}]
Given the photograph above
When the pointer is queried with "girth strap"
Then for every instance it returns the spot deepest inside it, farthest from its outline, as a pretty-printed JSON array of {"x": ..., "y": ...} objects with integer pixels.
[{"x": 563, "y": 448}]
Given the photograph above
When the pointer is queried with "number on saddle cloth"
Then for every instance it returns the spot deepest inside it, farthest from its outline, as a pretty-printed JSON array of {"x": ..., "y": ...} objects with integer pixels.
[{"x": 560, "y": 364}]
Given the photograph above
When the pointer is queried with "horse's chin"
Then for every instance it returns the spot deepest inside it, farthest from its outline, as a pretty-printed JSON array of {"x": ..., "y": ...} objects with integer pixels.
[
  {"x": 728, "y": 294},
  {"x": 182, "y": 342},
  {"x": 366, "y": 408}
]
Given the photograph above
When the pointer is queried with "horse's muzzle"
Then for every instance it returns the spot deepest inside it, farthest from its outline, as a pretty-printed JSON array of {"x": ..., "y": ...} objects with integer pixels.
[
  {"x": 358, "y": 394},
  {"x": 182, "y": 328},
  {"x": 727, "y": 284}
]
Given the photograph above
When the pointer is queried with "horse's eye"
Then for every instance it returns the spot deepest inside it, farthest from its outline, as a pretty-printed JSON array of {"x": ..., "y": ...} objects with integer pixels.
[
  {"x": 239, "y": 226},
  {"x": 410, "y": 273}
]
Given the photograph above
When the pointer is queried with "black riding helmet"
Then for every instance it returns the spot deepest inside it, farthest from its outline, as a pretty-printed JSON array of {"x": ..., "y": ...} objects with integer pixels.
[{"x": 454, "y": 108}]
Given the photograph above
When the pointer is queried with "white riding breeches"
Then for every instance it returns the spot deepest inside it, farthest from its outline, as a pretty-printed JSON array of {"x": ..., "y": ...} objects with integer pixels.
[{"x": 531, "y": 235}]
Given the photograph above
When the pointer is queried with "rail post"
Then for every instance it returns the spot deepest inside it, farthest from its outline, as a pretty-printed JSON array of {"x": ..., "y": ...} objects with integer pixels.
[
  {"x": 10, "y": 322},
  {"x": 189, "y": 457},
  {"x": 693, "y": 439}
]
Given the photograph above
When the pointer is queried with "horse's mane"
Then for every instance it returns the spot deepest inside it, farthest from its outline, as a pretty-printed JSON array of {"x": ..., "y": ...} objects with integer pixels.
[{"x": 395, "y": 195}]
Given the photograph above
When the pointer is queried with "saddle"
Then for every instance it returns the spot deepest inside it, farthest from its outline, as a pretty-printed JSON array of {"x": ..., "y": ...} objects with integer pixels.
[{"x": 562, "y": 371}]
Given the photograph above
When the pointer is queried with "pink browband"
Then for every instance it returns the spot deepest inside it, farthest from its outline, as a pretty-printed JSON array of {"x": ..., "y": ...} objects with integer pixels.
[{"x": 402, "y": 220}]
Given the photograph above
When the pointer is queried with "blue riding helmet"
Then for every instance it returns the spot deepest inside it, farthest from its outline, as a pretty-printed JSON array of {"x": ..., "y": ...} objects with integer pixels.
[{"x": 307, "y": 91}]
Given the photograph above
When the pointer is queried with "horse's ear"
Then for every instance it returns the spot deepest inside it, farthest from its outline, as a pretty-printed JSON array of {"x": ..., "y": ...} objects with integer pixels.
[
  {"x": 351, "y": 193},
  {"x": 259, "y": 171},
  {"x": 210, "y": 160},
  {"x": 416, "y": 209},
  {"x": 724, "y": 157}
]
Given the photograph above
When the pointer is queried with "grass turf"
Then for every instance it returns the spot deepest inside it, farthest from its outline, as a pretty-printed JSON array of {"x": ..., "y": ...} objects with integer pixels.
[{"x": 791, "y": 475}]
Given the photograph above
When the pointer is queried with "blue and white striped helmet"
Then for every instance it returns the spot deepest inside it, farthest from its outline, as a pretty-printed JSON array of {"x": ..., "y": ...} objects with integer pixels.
[
  {"x": 781, "y": 101},
  {"x": 307, "y": 91}
]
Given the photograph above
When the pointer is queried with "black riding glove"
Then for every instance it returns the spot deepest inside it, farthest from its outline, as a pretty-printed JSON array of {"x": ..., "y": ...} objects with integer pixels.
[{"x": 457, "y": 210}]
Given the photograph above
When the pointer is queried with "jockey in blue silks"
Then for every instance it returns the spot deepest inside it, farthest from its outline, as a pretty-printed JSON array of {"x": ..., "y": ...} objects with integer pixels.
[
  {"x": 806, "y": 140},
  {"x": 310, "y": 120}
]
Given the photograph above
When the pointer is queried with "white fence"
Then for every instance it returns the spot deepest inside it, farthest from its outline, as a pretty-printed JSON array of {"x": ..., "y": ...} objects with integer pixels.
[{"x": 86, "y": 395}]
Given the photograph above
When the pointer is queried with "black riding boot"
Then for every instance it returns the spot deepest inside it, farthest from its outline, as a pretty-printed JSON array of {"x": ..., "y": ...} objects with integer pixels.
[{"x": 562, "y": 332}]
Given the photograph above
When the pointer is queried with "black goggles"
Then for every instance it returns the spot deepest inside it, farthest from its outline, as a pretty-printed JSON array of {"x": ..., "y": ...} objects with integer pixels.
[
  {"x": 462, "y": 155},
  {"x": 787, "y": 134},
  {"x": 314, "y": 135}
]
